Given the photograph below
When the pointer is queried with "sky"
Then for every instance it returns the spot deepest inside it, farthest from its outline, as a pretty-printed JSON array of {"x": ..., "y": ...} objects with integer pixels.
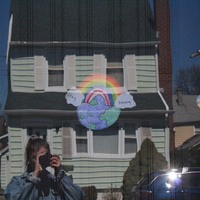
[
  {"x": 185, "y": 37},
  {"x": 4, "y": 23}
]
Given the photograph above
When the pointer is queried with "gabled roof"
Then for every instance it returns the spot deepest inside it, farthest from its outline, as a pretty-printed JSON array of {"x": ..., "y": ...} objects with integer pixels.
[
  {"x": 118, "y": 21},
  {"x": 188, "y": 112}
]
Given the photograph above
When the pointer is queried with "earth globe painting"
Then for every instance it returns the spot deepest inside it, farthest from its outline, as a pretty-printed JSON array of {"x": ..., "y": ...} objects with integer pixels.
[{"x": 99, "y": 100}]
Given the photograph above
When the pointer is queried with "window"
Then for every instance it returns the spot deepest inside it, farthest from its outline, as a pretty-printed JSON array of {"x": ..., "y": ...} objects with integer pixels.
[
  {"x": 114, "y": 141},
  {"x": 106, "y": 141},
  {"x": 55, "y": 68},
  {"x": 130, "y": 139},
  {"x": 81, "y": 139},
  {"x": 114, "y": 66},
  {"x": 190, "y": 180},
  {"x": 39, "y": 131}
]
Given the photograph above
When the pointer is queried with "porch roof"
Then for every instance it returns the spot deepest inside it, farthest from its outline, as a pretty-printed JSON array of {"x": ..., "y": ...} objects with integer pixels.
[{"x": 55, "y": 101}]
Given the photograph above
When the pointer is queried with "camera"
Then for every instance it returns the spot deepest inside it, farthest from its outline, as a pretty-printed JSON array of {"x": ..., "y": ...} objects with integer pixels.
[{"x": 45, "y": 159}]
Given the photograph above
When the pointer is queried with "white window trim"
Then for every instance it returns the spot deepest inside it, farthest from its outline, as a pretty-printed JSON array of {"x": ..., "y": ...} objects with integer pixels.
[
  {"x": 55, "y": 88},
  {"x": 123, "y": 88},
  {"x": 128, "y": 155},
  {"x": 74, "y": 146},
  {"x": 121, "y": 146}
]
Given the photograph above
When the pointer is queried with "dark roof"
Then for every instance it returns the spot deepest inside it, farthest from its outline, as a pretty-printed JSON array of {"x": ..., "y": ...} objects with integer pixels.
[
  {"x": 188, "y": 112},
  {"x": 113, "y": 21},
  {"x": 190, "y": 143},
  {"x": 56, "y": 101}
]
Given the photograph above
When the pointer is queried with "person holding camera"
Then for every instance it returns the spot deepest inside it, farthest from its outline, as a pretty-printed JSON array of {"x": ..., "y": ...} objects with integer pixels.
[{"x": 36, "y": 182}]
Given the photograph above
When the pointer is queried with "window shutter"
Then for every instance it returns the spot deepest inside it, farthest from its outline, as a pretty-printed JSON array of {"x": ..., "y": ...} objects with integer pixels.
[
  {"x": 100, "y": 63},
  {"x": 40, "y": 72},
  {"x": 145, "y": 133},
  {"x": 130, "y": 72},
  {"x": 69, "y": 68},
  {"x": 67, "y": 142}
]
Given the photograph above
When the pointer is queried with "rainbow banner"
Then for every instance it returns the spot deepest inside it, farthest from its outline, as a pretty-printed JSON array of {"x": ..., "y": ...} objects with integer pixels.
[{"x": 99, "y": 99}]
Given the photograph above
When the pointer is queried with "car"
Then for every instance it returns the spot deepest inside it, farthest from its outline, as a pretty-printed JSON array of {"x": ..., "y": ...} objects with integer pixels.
[{"x": 172, "y": 185}]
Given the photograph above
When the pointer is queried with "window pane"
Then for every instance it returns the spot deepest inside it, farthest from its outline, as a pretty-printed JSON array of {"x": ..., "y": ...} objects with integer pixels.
[
  {"x": 55, "y": 77},
  {"x": 55, "y": 59},
  {"x": 81, "y": 131},
  {"x": 129, "y": 129},
  {"x": 40, "y": 132},
  {"x": 106, "y": 141},
  {"x": 130, "y": 145},
  {"x": 81, "y": 145},
  {"x": 37, "y": 131},
  {"x": 116, "y": 73}
]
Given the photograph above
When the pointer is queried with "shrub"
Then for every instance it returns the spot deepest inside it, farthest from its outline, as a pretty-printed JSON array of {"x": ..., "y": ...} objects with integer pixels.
[
  {"x": 90, "y": 192},
  {"x": 148, "y": 159}
]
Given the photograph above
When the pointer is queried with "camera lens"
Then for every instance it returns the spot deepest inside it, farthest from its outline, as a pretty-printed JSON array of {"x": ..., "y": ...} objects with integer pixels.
[{"x": 45, "y": 159}]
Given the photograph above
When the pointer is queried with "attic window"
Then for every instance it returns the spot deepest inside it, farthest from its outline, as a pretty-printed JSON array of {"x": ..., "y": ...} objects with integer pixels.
[{"x": 55, "y": 68}]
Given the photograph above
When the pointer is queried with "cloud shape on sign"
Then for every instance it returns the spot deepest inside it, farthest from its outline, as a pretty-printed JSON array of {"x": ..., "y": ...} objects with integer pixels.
[
  {"x": 125, "y": 100},
  {"x": 74, "y": 97}
]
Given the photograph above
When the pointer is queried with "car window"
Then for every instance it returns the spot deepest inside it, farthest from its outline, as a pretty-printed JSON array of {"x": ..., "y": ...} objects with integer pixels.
[
  {"x": 146, "y": 179},
  {"x": 190, "y": 180},
  {"x": 160, "y": 181}
]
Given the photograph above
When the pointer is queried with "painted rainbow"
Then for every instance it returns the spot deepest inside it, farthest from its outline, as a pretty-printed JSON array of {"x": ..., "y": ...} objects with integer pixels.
[{"x": 100, "y": 84}]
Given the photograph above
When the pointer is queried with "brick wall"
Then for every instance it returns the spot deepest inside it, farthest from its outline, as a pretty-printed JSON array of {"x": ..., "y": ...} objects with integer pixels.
[{"x": 162, "y": 13}]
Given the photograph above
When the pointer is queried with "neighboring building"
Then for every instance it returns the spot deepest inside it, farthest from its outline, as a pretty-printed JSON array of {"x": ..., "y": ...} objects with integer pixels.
[
  {"x": 186, "y": 117},
  {"x": 53, "y": 46}
]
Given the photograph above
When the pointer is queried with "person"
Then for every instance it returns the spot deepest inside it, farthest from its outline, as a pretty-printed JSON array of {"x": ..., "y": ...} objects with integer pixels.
[{"x": 37, "y": 182}]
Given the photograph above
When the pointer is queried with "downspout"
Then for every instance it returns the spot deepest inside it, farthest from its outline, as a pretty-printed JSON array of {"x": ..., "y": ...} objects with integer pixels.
[
  {"x": 167, "y": 109},
  {"x": 9, "y": 37}
]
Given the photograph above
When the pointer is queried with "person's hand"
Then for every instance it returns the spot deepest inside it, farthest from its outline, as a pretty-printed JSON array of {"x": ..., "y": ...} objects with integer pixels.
[
  {"x": 55, "y": 161},
  {"x": 38, "y": 167}
]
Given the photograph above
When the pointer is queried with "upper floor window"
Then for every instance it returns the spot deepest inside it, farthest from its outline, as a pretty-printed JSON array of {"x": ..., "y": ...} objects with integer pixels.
[
  {"x": 114, "y": 66},
  {"x": 55, "y": 68},
  {"x": 58, "y": 70}
]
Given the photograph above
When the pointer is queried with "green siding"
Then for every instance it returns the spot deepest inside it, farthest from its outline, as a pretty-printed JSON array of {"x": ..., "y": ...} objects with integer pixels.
[
  {"x": 98, "y": 172},
  {"x": 16, "y": 154},
  {"x": 3, "y": 171},
  {"x": 146, "y": 73},
  {"x": 84, "y": 67},
  {"x": 22, "y": 74},
  {"x": 158, "y": 137}
]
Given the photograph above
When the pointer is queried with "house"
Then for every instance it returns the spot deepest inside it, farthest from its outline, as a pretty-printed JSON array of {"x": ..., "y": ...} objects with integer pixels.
[
  {"x": 3, "y": 145},
  {"x": 186, "y": 117},
  {"x": 53, "y": 46}
]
